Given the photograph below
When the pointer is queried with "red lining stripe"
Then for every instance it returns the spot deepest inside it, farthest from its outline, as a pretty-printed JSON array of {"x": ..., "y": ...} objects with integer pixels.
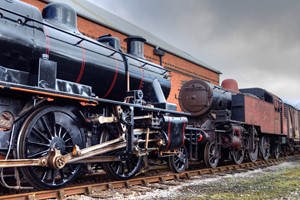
[
  {"x": 142, "y": 79},
  {"x": 82, "y": 65},
  {"x": 47, "y": 41},
  {"x": 183, "y": 133},
  {"x": 169, "y": 133},
  {"x": 114, "y": 80}
]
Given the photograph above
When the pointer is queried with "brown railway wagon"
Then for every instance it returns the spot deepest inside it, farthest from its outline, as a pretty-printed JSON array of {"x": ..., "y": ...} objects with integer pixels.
[
  {"x": 260, "y": 108},
  {"x": 293, "y": 122}
]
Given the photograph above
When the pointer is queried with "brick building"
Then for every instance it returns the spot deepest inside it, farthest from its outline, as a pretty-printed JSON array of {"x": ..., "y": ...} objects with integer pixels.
[{"x": 94, "y": 22}]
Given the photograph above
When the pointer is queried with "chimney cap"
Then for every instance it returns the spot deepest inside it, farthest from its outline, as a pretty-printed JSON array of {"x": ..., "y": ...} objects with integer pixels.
[
  {"x": 135, "y": 38},
  {"x": 230, "y": 85}
]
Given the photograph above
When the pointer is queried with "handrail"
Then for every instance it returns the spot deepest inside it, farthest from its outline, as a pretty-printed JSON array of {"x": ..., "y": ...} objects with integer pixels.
[{"x": 84, "y": 38}]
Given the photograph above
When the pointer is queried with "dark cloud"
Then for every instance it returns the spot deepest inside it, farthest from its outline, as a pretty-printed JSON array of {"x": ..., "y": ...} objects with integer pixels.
[{"x": 256, "y": 42}]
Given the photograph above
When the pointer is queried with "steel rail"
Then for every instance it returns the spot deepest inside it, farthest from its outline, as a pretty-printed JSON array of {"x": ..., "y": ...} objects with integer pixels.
[{"x": 88, "y": 189}]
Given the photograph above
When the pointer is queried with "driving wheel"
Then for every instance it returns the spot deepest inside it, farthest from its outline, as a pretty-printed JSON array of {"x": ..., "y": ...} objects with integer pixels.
[{"x": 46, "y": 129}]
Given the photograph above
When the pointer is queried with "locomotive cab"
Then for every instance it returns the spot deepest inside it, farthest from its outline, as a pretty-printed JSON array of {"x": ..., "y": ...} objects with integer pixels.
[{"x": 259, "y": 93}]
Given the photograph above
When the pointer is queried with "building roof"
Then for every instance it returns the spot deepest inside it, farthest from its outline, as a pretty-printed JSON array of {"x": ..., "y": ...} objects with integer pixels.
[{"x": 99, "y": 15}]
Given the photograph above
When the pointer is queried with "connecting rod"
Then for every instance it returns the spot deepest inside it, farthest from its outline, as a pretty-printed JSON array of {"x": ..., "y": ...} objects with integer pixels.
[{"x": 56, "y": 160}]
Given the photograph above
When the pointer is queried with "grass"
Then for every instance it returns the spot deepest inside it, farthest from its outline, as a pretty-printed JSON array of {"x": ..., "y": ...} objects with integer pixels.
[{"x": 281, "y": 183}]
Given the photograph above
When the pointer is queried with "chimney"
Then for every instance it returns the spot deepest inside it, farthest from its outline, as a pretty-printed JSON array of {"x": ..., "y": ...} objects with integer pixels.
[{"x": 135, "y": 45}]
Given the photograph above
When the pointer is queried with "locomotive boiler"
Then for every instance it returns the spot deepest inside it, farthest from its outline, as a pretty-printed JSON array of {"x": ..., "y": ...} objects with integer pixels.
[
  {"x": 28, "y": 35},
  {"x": 199, "y": 98}
]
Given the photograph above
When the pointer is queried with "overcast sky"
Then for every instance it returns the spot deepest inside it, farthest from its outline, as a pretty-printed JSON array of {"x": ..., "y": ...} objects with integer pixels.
[{"x": 255, "y": 42}]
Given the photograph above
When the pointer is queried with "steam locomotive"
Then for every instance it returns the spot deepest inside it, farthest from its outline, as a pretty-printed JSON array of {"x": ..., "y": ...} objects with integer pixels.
[
  {"x": 70, "y": 105},
  {"x": 237, "y": 124}
]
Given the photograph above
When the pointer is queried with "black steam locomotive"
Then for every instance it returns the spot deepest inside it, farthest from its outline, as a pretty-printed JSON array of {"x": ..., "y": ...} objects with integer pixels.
[
  {"x": 70, "y": 105},
  {"x": 67, "y": 100}
]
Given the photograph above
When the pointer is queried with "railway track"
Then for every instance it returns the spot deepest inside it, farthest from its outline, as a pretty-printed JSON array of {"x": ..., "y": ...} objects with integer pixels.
[{"x": 89, "y": 189}]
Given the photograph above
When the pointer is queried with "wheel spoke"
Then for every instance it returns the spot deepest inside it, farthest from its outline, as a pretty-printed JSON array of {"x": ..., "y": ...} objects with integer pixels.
[
  {"x": 127, "y": 164},
  {"x": 64, "y": 135},
  {"x": 46, "y": 127},
  {"x": 133, "y": 161},
  {"x": 53, "y": 175},
  {"x": 124, "y": 168},
  {"x": 44, "y": 175},
  {"x": 40, "y": 135},
  {"x": 117, "y": 168},
  {"x": 55, "y": 131},
  {"x": 67, "y": 140},
  {"x": 59, "y": 132},
  {"x": 71, "y": 168},
  {"x": 62, "y": 175},
  {"x": 39, "y": 144},
  {"x": 38, "y": 154}
]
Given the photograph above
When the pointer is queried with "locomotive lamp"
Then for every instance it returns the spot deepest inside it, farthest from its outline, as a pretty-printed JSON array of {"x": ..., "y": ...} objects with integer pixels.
[{"x": 160, "y": 53}]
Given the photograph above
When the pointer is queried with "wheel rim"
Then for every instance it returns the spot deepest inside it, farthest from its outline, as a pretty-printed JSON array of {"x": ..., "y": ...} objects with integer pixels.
[
  {"x": 46, "y": 129},
  {"x": 265, "y": 147},
  {"x": 276, "y": 151},
  {"x": 253, "y": 155},
  {"x": 238, "y": 156},
  {"x": 120, "y": 170},
  {"x": 179, "y": 161},
  {"x": 210, "y": 155}
]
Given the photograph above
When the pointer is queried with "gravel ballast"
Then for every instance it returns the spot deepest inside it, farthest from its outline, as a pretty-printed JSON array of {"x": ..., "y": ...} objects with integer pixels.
[{"x": 276, "y": 182}]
